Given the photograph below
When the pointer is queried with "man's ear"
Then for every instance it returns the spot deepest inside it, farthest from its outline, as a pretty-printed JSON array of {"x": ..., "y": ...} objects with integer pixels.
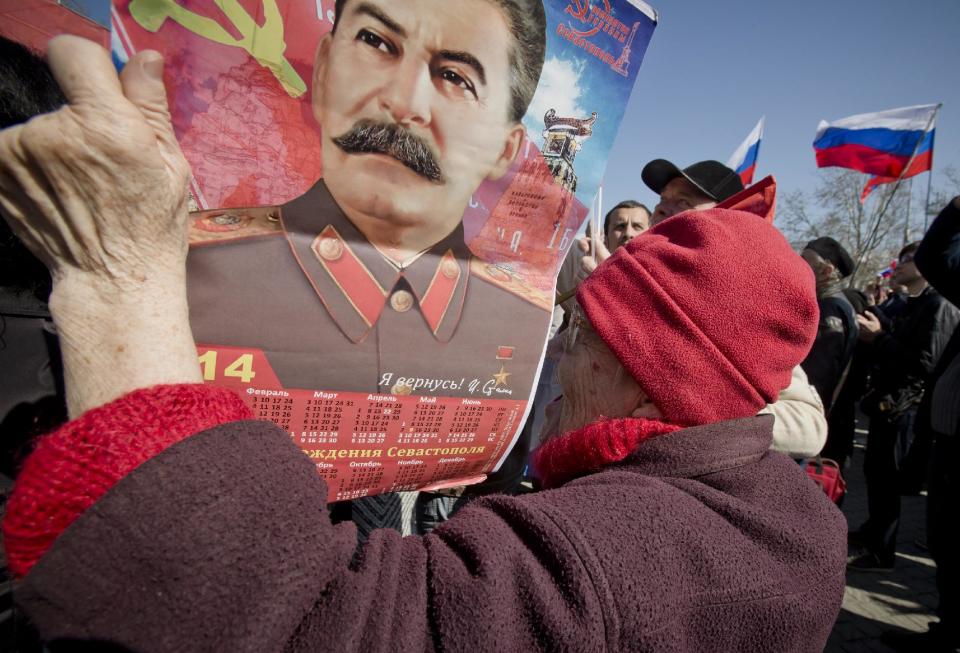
[
  {"x": 607, "y": 241},
  {"x": 319, "y": 74},
  {"x": 511, "y": 148}
]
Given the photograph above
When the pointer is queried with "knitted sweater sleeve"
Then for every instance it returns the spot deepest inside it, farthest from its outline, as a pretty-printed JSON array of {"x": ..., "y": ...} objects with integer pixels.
[{"x": 74, "y": 466}]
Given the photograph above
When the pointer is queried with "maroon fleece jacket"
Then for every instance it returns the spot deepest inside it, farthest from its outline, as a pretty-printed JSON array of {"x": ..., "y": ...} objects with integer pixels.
[{"x": 701, "y": 540}]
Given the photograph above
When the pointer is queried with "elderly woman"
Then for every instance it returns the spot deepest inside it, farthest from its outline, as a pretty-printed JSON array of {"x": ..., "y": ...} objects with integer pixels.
[{"x": 164, "y": 518}]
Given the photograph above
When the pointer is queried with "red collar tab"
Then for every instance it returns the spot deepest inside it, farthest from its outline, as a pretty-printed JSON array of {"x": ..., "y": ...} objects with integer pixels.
[
  {"x": 436, "y": 300},
  {"x": 350, "y": 275}
]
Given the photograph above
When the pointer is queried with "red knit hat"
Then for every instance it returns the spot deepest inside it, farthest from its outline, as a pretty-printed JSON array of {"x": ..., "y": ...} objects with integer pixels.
[{"x": 709, "y": 311}]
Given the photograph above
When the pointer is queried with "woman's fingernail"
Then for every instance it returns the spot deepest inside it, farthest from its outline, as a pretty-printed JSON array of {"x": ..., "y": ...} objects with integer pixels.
[{"x": 152, "y": 64}]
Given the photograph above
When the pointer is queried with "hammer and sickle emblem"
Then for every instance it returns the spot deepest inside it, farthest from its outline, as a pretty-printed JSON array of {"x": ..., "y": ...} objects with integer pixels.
[
  {"x": 265, "y": 44},
  {"x": 580, "y": 9}
]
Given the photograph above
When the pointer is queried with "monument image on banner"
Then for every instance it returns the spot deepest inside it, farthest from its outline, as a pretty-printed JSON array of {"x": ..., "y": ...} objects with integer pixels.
[{"x": 384, "y": 191}]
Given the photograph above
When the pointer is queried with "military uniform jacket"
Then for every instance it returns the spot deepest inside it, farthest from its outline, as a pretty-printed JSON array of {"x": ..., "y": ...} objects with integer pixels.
[
  {"x": 301, "y": 283},
  {"x": 834, "y": 346}
]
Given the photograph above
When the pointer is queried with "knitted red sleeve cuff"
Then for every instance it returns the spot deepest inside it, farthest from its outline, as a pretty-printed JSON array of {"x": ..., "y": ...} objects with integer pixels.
[{"x": 74, "y": 466}]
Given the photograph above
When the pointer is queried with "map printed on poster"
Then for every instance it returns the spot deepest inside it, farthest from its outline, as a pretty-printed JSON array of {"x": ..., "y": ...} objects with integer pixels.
[{"x": 382, "y": 200}]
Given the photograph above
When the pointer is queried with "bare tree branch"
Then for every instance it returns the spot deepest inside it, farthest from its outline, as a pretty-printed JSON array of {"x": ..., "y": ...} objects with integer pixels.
[{"x": 834, "y": 209}]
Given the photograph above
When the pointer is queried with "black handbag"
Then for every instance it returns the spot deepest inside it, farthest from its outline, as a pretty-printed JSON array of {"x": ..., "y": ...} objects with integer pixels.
[{"x": 891, "y": 405}]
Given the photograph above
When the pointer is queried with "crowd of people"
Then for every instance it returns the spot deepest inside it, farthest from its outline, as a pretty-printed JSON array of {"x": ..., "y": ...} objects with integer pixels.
[{"x": 654, "y": 500}]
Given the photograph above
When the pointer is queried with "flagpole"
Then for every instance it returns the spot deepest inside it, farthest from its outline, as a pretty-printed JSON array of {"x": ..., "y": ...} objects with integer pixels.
[
  {"x": 876, "y": 227},
  {"x": 906, "y": 222},
  {"x": 595, "y": 223},
  {"x": 926, "y": 205}
]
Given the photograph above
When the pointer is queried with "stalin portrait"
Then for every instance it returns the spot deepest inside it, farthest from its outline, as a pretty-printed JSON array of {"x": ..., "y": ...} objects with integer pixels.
[{"x": 365, "y": 283}]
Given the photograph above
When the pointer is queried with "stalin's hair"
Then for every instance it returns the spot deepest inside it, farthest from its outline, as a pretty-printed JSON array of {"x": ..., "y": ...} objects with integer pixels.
[{"x": 528, "y": 23}]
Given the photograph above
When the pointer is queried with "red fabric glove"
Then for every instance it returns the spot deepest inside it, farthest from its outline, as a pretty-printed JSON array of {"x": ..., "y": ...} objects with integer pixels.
[{"x": 74, "y": 466}]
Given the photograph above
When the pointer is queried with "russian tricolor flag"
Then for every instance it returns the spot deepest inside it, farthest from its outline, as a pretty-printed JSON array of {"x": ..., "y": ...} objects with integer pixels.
[
  {"x": 744, "y": 159},
  {"x": 881, "y": 144},
  {"x": 915, "y": 167}
]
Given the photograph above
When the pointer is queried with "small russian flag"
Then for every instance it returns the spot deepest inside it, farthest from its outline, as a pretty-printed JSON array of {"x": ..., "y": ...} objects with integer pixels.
[
  {"x": 744, "y": 159},
  {"x": 881, "y": 143}
]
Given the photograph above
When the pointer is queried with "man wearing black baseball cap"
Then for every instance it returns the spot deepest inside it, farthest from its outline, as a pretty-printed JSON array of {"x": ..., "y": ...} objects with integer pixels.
[
  {"x": 837, "y": 330},
  {"x": 700, "y": 186}
]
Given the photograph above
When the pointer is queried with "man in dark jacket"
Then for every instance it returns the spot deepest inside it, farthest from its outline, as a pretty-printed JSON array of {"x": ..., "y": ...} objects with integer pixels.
[
  {"x": 938, "y": 259},
  {"x": 826, "y": 364},
  {"x": 904, "y": 360}
]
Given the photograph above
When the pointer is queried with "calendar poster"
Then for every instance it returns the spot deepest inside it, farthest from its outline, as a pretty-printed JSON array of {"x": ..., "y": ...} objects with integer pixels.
[{"x": 382, "y": 194}]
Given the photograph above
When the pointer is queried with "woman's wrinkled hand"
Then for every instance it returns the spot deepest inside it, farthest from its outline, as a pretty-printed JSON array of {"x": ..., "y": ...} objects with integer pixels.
[{"x": 98, "y": 191}]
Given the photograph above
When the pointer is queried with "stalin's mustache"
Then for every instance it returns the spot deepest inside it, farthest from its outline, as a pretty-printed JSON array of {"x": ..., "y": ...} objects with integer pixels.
[{"x": 369, "y": 137}]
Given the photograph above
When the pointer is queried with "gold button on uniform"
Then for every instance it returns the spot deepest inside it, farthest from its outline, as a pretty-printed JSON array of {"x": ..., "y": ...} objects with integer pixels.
[
  {"x": 330, "y": 249},
  {"x": 449, "y": 269},
  {"x": 401, "y": 301}
]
